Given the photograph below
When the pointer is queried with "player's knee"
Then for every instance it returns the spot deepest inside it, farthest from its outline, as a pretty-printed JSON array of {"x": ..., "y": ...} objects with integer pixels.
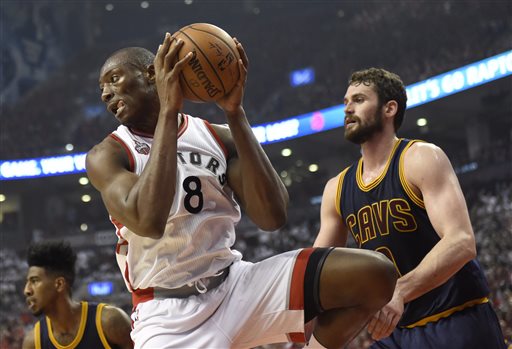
[
  {"x": 356, "y": 277},
  {"x": 383, "y": 277}
]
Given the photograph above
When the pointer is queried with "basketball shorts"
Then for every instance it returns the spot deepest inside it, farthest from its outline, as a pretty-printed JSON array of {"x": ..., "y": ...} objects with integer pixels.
[
  {"x": 258, "y": 303},
  {"x": 476, "y": 327}
]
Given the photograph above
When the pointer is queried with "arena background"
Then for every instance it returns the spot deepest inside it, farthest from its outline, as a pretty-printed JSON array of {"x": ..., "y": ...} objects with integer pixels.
[{"x": 51, "y": 52}]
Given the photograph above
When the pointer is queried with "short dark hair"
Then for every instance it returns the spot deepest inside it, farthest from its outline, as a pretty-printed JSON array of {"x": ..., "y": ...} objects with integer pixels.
[
  {"x": 139, "y": 56},
  {"x": 389, "y": 87},
  {"x": 57, "y": 258}
]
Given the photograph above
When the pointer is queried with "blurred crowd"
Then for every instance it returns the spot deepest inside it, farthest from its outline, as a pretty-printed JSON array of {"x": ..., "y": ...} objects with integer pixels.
[
  {"x": 334, "y": 39},
  {"x": 490, "y": 209}
]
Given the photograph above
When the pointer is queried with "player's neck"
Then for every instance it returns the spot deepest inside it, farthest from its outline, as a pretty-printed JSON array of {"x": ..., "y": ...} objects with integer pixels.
[
  {"x": 376, "y": 151},
  {"x": 66, "y": 316},
  {"x": 148, "y": 130}
]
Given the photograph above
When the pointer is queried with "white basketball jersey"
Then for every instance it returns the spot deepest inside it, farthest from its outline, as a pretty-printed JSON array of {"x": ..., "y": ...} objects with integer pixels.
[{"x": 200, "y": 229}]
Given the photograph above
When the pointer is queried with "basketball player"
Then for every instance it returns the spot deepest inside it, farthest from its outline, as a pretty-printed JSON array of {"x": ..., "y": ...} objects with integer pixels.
[
  {"x": 174, "y": 186},
  {"x": 402, "y": 198},
  {"x": 65, "y": 323}
]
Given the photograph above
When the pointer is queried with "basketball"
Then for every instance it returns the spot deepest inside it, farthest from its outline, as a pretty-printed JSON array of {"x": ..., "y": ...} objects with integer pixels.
[{"x": 213, "y": 71}]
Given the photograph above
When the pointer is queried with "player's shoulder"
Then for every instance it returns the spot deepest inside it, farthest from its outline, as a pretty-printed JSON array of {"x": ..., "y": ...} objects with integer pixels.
[
  {"x": 29, "y": 340},
  {"x": 420, "y": 146},
  {"x": 116, "y": 325},
  {"x": 109, "y": 310},
  {"x": 105, "y": 159},
  {"x": 104, "y": 149},
  {"x": 334, "y": 182},
  {"x": 107, "y": 144},
  {"x": 111, "y": 313},
  {"x": 423, "y": 157},
  {"x": 114, "y": 322},
  {"x": 223, "y": 132},
  {"x": 222, "y": 129},
  {"x": 420, "y": 152}
]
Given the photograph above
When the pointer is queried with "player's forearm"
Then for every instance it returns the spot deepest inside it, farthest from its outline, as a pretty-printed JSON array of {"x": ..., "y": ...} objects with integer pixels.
[
  {"x": 441, "y": 263},
  {"x": 334, "y": 238},
  {"x": 266, "y": 196},
  {"x": 154, "y": 192}
]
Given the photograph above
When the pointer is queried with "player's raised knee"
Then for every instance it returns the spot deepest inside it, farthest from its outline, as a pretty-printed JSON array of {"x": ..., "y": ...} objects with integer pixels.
[
  {"x": 384, "y": 276},
  {"x": 352, "y": 276}
]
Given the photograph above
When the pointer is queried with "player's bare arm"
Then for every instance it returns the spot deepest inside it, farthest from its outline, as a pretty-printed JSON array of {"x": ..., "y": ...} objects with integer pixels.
[
  {"x": 430, "y": 175},
  {"x": 29, "y": 341},
  {"x": 127, "y": 196},
  {"x": 260, "y": 192},
  {"x": 116, "y": 326},
  {"x": 135, "y": 201},
  {"x": 429, "y": 171},
  {"x": 333, "y": 231},
  {"x": 250, "y": 173}
]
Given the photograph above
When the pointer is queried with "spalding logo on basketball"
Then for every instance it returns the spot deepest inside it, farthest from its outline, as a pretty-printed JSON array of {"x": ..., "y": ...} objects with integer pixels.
[{"x": 213, "y": 70}]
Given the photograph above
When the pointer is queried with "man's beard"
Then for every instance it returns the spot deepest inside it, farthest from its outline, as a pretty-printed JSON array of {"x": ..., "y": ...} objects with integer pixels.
[{"x": 364, "y": 131}]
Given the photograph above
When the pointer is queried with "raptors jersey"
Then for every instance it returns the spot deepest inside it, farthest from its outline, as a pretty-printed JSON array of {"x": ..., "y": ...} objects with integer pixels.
[
  {"x": 386, "y": 216},
  {"x": 200, "y": 229}
]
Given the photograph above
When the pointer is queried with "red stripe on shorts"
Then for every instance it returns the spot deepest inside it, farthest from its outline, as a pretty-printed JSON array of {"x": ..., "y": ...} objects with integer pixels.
[
  {"x": 297, "y": 289},
  {"x": 297, "y": 284}
]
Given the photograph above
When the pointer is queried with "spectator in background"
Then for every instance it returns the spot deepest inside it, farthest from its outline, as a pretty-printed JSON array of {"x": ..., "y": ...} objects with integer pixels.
[{"x": 63, "y": 321}]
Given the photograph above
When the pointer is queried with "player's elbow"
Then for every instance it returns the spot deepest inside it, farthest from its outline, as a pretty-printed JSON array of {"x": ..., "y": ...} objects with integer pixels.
[
  {"x": 280, "y": 217},
  {"x": 154, "y": 233},
  {"x": 280, "y": 213},
  {"x": 274, "y": 223},
  {"x": 151, "y": 221},
  {"x": 151, "y": 228},
  {"x": 272, "y": 220},
  {"x": 268, "y": 215},
  {"x": 471, "y": 252},
  {"x": 468, "y": 248}
]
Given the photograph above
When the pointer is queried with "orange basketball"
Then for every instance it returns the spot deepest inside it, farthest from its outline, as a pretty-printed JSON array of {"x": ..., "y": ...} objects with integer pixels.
[{"x": 213, "y": 71}]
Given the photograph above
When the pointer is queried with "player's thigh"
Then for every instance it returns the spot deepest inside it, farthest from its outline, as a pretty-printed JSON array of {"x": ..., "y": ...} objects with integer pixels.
[
  {"x": 257, "y": 309},
  {"x": 179, "y": 322},
  {"x": 206, "y": 336}
]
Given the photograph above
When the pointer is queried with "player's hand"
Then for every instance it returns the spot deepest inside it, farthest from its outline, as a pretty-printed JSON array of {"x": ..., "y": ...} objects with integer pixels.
[
  {"x": 167, "y": 74},
  {"x": 385, "y": 320},
  {"x": 232, "y": 101}
]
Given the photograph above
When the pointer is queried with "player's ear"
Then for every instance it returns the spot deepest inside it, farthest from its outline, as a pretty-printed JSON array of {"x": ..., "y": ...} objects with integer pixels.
[
  {"x": 60, "y": 284},
  {"x": 150, "y": 73},
  {"x": 391, "y": 108}
]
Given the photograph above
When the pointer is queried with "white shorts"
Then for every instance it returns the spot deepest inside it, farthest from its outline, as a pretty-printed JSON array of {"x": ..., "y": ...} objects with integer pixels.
[{"x": 258, "y": 303}]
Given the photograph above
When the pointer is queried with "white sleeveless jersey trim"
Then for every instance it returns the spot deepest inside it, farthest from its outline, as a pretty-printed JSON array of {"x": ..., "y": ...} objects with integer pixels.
[
  {"x": 200, "y": 229},
  {"x": 131, "y": 158}
]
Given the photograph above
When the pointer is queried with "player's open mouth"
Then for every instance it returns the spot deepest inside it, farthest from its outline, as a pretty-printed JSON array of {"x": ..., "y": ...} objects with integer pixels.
[
  {"x": 116, "y": 108},
  {"x": 349, "y": 121},
  {"x": 30, "y": 303},
  {"x": 119, "y": 108}
]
